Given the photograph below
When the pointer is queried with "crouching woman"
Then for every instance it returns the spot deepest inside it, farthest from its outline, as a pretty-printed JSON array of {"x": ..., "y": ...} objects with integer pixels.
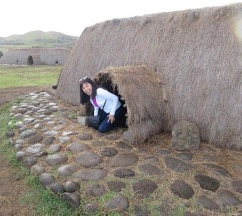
[{"x": 106, "y": 104}]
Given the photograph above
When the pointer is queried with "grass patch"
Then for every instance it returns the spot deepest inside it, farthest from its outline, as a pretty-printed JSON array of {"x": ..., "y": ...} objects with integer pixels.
[
  {"x": 23, "y": 76},
  {"x": 45, "y": 202}
]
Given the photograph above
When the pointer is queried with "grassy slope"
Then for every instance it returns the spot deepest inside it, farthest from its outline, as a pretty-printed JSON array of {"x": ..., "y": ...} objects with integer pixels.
[{"x": 18, "y": 76}]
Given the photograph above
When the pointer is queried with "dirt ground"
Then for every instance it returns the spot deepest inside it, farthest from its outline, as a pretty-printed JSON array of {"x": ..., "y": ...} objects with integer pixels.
[
  {"x": 8, "y": 94},
  {"x": 12, "y": 185}
]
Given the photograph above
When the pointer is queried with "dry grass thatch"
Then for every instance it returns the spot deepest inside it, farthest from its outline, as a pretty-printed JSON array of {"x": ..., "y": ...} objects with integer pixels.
[
  {"x": 196, "y": 52},
  {"x": 144, "y": 96}
]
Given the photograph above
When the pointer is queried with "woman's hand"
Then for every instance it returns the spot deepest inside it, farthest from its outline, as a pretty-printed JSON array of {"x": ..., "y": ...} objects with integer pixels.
[{"x": 111, "y": 118}]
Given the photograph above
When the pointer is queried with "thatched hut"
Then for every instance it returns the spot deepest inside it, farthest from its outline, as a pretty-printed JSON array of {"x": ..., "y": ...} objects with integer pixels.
[
  {"x": 196, "y": 54},
  {"x": 142, "y": 93}
]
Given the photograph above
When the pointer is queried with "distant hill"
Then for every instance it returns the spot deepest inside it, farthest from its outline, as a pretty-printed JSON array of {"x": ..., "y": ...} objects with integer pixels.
[{"x": 36, "y": 39}]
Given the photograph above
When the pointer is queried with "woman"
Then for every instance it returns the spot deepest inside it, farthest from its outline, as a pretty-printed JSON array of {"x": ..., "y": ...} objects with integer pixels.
[{"x": 106, "y": 104}]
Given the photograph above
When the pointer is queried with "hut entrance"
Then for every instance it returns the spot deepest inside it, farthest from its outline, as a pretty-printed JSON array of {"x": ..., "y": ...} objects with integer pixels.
[
  {"x": 30, "y": 60},
  {"x": 141, "y": 93},
  {"x": 106, "y": 82}
]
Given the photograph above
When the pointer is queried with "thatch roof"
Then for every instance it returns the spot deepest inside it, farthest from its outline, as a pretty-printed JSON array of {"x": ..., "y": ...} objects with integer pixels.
[
  {"x": 196, "y": 52},
  {"x": 144, "y": 95}
]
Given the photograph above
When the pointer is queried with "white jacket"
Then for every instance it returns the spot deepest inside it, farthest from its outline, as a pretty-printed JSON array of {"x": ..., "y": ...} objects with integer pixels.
[{"x": 112, "y": 102}]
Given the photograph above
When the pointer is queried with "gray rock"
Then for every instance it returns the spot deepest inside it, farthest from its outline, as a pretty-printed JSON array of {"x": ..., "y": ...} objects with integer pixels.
[
  {"x": 53, "y": 109},
  {"x": 207, "y": 203},
  {"x": 46, "y": 179},
  {"x": 41, "y": 154},
  {"x": 36, "y": 148},
  {"x": 22, "y": 129},
  {"x": 27, "y": 133},
  {"x": 85, "y": 136},
  {"x": 124, "y": 173},
  {"x": 47, "y": 119},
  {"x": 177, "y": 165},
  {"x": 96, "y": 190},
  {"x": 151, "y": 159},
  {"x": 164, "y": 152},
  {"x": 207, "y": 182},
  {"x": 64, "y": 139},
  {"x": 54, "y": 148},
  {"x": 72, "y": 199},
  {"x": 37, "y": 138},
  {"x": 68, "y": 133},
  {"x": 51, "y": 123},
  {"x": 30, "y": 113},
  {"x": 38, "y": 125},
  {"x": 88, "y": 159},
  {"x": 227, "y": 198},
  {"x": 185, "y": 155},
  {"x": 144, "y": 187},
  {"x": 35, "y": 103},
  {"x": 77, "y": 147},
  {"x": 20, "y": 155},
  {"x": 28, "y": 120},
  {"x": 19, "y": 141},
  {"x": 120, "y": 203},
  {"x": 67, "y": 170},
  {"x": 71, "y": 186},
  {"x": 18, "y": 116},
  {"x": 182, "y": 189},
  {"x": 19, "y": 124},
  {"x": 124, "y": 159},
  {"x": 49, "y": 140},
  {"x": 37, "y": 170},
  {"x": 237, "y": 185},
  {"x": 29, "y": 161},
  {"x": 150, "y": 169},
  {"x": 82, "y": 120},
  {"x": 51, "y": 133},
  {"x": 18, "y": 146},
  {"x": 185, "y": 136},
  {"x": 56, "y": 159},
  {"x": 108, "y": 152},
  {"x": 21, "y": 110},
  {"x": 91, "y": 174},
  {"x": 56, "y": 188},
  {"x": 218, "y": 169}
]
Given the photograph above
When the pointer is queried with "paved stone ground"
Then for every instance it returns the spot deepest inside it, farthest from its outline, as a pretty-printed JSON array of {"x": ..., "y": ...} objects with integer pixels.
[{"x": 107, "y": 174}]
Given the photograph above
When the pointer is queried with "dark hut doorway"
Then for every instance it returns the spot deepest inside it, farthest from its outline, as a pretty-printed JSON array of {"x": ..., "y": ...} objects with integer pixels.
[
  {"x": 30, "y": 60},
  {"x": 106, "y": 83}
]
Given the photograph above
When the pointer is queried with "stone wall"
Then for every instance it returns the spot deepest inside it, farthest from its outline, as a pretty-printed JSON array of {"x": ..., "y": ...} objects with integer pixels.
[{"x": 35, "y": 56}]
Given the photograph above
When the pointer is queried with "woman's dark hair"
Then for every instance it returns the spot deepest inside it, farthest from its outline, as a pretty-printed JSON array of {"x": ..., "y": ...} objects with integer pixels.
[{"x": 83, "y": 96}]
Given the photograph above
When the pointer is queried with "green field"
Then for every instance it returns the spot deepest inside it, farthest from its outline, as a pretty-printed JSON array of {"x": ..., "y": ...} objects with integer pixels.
[{"x": 19, "y": 76}]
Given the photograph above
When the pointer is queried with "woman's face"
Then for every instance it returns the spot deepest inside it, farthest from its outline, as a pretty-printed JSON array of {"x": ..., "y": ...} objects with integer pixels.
[{"x": 87, "y": 88}]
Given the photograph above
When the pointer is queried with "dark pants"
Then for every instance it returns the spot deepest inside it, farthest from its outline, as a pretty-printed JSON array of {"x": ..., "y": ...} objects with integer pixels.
[{"x": 105, "y": 125}]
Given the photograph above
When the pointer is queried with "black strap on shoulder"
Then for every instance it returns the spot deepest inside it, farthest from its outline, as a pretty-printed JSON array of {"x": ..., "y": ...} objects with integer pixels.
[{"x": 103, "y": 105}]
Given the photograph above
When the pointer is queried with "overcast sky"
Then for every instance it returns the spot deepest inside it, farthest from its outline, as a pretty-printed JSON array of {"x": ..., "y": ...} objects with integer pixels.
[{"x": 72, "y": 16}]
